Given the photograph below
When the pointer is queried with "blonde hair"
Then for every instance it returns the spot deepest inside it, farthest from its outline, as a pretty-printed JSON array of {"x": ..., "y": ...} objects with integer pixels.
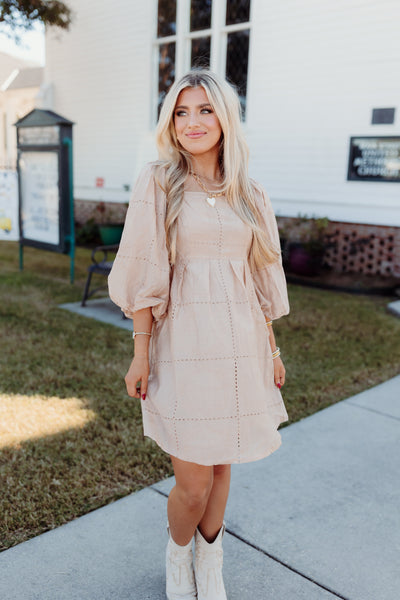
[{"x": 233, "y": 162}]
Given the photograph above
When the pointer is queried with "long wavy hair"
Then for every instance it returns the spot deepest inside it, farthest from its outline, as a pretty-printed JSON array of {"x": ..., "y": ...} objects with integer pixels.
[{"x": 233, "y": 162}]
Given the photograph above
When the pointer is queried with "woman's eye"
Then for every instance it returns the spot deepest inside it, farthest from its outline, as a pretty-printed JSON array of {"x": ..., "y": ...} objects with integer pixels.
[{"x": 183, "y": 113}]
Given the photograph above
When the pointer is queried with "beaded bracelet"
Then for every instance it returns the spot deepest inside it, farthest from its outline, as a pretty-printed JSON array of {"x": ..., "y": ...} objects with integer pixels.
[{"x": 139, "y": 332}]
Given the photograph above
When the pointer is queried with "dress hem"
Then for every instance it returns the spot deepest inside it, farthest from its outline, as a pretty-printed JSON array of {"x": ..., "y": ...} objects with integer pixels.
[{"x": 266, "y": 453}]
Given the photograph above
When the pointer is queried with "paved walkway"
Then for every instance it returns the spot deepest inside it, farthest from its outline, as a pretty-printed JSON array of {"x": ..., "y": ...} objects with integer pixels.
[
  {"x": 394, "y": 308},
  {"x": 317, "y": 520},
  {"x": 100, "y": 309}
]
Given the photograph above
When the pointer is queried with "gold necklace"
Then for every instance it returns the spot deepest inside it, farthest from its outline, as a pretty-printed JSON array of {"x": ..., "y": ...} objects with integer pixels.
[{"x": 210, "y": 195}]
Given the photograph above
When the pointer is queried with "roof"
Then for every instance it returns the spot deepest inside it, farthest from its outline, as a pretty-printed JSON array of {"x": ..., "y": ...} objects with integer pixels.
[
  {"x": 39, "y": 117},
  {"x": 8, "y": 63},
  {"x": 26, "y": 78}
]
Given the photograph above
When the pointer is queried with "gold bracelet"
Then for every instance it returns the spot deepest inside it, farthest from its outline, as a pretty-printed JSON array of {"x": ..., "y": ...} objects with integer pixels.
[
  {"x": 140, "y": 332},
  {"x": 276, "y": 353},
  {"x": 268, "y": 323}
]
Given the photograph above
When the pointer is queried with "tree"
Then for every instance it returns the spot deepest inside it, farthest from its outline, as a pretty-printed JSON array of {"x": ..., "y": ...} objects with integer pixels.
[{"x": 22, "y": 14}]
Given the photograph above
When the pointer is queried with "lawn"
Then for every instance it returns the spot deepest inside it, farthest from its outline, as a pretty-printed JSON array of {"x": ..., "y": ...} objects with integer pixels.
[{"x": 71, "y": 439}]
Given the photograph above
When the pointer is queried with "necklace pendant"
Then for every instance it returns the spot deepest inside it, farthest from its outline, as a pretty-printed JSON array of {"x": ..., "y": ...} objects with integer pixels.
[{"x": 211, "y": 201}]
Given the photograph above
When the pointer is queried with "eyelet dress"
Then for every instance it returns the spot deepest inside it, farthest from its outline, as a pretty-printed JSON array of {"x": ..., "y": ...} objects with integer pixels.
[{"x": 211, "y": 397}]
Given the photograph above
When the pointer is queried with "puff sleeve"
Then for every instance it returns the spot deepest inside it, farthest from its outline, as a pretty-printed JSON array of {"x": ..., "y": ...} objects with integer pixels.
[
  {"x": 270, "y": 281},
  {"x": 140, "y": 276}
]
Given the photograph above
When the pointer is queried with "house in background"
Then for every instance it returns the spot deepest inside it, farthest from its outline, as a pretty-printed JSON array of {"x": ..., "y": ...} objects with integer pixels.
[
  {"x": 20, "y": 82},
  {"x": 311, "y": 76}
]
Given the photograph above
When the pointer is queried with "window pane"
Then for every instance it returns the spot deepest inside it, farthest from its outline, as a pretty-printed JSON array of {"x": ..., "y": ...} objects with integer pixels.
[
  {"x": 166, "y": 71},
  {"x": 166, "y": 18},
  {"x": 201, "y": 52},
  {"x": 200, "y": 14},
  {"x": 237, "y": 11},
  {"x": 237, "y": 55}
]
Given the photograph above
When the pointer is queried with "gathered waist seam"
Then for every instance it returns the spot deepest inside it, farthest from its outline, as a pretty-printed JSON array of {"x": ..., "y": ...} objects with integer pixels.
[{"x": 186, "y": 258}]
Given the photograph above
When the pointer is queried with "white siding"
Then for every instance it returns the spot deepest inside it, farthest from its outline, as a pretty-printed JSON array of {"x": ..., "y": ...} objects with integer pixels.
[
  {"x": 317, "y": 68},
  {"x": 101, "y": 77}
]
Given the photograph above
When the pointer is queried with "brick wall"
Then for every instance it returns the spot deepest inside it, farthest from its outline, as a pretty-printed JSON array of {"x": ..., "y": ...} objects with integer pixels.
[
  {"x": 359, "y": 248},
  {"x": 87, "y": 209},
  {"x": 368, "y": 249}
]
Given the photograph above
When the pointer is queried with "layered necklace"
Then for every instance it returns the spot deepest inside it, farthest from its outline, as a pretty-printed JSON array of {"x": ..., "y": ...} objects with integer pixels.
[{"x": 210, "y": 195}]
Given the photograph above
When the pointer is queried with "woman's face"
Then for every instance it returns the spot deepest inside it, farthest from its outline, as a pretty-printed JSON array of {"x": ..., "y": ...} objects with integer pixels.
[{"x": 196, "y": 125}]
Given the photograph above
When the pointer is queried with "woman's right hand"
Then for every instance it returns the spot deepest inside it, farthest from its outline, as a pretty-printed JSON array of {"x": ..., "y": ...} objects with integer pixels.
[{"x": 138, "y": 372}]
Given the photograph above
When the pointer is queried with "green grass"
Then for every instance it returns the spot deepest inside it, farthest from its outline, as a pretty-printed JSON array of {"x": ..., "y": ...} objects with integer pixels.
[{"x": 68, "y": 371}]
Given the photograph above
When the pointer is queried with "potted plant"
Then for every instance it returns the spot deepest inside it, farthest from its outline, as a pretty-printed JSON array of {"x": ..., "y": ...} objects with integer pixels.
[
  {"x": 109, "y": 223},
  {"x": 304, "y": 244}
]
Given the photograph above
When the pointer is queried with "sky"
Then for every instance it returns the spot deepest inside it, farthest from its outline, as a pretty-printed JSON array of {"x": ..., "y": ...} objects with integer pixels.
[{"x": 31, "y": 46}]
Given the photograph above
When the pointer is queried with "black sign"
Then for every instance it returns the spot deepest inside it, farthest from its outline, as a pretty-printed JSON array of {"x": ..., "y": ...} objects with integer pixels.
[{"x": 374, "y": 159}]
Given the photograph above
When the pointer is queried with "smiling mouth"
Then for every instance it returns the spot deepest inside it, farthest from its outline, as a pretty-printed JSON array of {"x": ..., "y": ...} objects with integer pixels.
[{"x": 196, "y": 135}]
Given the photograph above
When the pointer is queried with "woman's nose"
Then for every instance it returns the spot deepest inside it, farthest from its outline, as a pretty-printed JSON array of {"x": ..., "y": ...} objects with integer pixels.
[{"x": 193, "y": 120}]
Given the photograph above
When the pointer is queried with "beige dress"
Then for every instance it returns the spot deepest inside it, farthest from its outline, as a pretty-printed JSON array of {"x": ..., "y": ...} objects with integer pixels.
[{"x": 211, "y": 397}]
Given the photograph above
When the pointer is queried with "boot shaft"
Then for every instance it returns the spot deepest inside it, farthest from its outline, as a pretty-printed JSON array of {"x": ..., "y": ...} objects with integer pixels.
[
  {"x": 180, "y": 579},
  {"x": 208, "y": 567}
]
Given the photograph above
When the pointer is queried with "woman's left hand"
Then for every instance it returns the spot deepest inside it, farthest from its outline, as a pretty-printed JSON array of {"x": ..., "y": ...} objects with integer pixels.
[{"x": 279, "y": 372}]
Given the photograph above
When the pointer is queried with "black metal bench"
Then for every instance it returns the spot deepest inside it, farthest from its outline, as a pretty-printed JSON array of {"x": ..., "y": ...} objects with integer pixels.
[{"x": 102, "y": 267}]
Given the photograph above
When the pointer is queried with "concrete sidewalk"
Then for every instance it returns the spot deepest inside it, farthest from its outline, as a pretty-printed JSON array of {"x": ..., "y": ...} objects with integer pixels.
[
  {"x": 317, "y": 520},
  {"x": 100, "y": 309}
]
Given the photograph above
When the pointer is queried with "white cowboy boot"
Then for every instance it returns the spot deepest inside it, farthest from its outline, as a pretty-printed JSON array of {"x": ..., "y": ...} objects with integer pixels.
[
  {"x": 208, "y": 567},
  {"x": 181, "y": 584}
]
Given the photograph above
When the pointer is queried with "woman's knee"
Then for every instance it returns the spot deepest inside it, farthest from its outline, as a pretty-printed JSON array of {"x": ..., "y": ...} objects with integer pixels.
[
  {"x": 194, "y": 496},
  {"x": 193, "y": 483}
]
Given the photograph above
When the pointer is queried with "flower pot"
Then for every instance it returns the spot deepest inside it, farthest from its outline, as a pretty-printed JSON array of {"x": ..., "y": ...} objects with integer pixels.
[
  {"x": 110, "y": 233},
  {"x": 303, "y": 262}
]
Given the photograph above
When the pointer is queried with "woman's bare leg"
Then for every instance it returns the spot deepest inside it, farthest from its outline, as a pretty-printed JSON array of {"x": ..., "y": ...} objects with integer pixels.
[
  {"x": 213, "y": 516},
  {"x": 187, "y": 500}
]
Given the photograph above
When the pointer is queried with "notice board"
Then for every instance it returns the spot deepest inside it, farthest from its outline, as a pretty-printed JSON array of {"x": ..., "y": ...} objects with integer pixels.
[{"x": 374, "y": 159}]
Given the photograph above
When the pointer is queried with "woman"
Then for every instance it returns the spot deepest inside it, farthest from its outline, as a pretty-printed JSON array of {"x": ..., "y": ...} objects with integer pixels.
[{"x": 199, "y": 271}]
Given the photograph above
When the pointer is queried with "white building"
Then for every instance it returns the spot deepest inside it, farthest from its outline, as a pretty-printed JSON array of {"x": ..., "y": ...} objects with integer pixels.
[
  {"x": 315, "y": 71},
  {"x": 20, "y": 81}
]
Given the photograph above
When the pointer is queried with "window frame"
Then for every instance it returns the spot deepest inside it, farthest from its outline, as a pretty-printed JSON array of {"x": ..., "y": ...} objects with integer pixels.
[{"x": 218, "y": 32}]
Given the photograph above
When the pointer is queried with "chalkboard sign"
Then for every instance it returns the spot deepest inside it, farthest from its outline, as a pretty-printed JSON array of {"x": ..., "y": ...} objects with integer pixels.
[{"x": 374, "y": 159}]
